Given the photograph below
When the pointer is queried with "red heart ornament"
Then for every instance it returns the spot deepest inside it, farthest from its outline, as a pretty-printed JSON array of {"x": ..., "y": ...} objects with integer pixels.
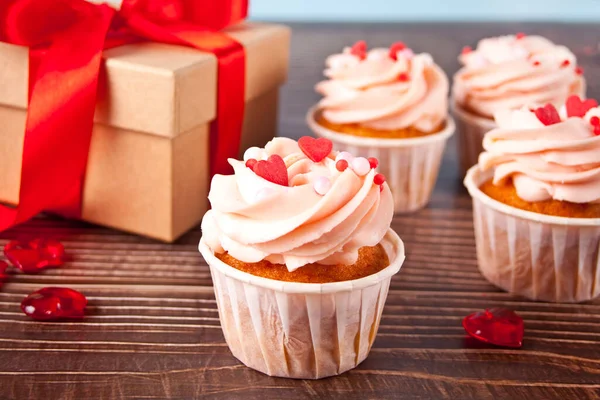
[
  {"x": 33, "y": 256},
  {"x": 315, "y": 149},
  {"x": 498, "y": 326},
  {"x": 577, "y": 107},
  {"x": 53, "y": 303},
  {"x": 273, "y": 170},
  {"x": 547, "y": 115}
]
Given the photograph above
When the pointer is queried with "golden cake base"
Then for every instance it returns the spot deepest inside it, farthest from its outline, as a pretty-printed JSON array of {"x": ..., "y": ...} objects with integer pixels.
[
  {"x": 370, "y": 261},
  {"x": 506, "y": 193},
  {"x": 362, "y": 131}
]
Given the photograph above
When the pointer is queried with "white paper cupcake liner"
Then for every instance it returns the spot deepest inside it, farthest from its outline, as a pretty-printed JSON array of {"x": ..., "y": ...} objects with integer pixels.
[
  {"x": 538, "y": 256},
  {"x": 470, "y": 130},
  {"x": 410, "y": 166},
  {"x": 301, "y": 330}
]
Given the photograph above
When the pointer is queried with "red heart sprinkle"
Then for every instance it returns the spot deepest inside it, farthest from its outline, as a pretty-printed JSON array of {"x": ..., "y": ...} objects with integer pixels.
[
  {"x": 536, "y": 63},
  {"x": 54, "y": 303},
  {"x": 595, "y": 121},
  {"x": 395, "y": 48},
  {"x": 466, "y": 50},
  {"x": 315, "y": 149},
  {"x": 379, "y": 179},
  {"x": 272, "y": 170},
  {"x": 497, "y": 326},
  {"x": 597, "y": 130},
  {"x": 577, "y": 107},
  {"x": 359, "y": 49},
  {"x": 251, "y": 163},
  {"x": 520, "y": 35},
  {"x": 579, "y": 70},
  {"x": 373, "y": 162},
  {"x": 33, "y": 256},
  {"x": 565, "y": 63},
  {"x": 547, "y": 115},
  {"x": 341, "y": 165},
  {"x": 403, "y": 77}
]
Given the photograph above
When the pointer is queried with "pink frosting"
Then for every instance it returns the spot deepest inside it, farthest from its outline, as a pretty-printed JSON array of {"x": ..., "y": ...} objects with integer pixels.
[
  {"x": 559, "y": 161},
  {"x": 254, "y": 219},
  {"x": 508, "y": 73},
  {"x": 382, "y": 93}
]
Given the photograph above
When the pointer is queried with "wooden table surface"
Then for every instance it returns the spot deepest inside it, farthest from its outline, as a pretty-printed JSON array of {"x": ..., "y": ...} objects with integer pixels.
[{"x": 153, "y": 331}]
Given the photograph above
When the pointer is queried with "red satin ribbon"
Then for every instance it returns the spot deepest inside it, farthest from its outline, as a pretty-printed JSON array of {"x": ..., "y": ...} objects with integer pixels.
[{"x": 66, "y": 39}]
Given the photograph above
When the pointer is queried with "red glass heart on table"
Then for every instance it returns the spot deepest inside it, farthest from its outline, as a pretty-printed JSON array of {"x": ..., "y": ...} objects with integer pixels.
[
  {"x": 54, "y": 303},
  {"x": 315, "y": 149},
  {"x": 273, "y": 170},
  {"x": 577, "y": 107},
  {"x": 498, "y": 326},
  {"x": 35, "y": 255}
]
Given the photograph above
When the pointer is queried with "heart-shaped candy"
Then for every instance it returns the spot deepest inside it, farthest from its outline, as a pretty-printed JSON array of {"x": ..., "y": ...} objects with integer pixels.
[
  {"x": 498, "y": 326},
  {"x": 395, "y": 49},
  {"x": 359, "y": 49},
  {"x": 273, "y": 170},
  {"x": 35, "y": 255},
  {"x": 548, "y": 115},
  {"x": 54, "y": 303},
  {"x": 577, "y": 107},
  {"x": 315, "y": 149}
]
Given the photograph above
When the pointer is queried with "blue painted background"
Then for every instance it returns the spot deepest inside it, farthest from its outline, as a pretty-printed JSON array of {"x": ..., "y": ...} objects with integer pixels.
[{"x": 426, "y": 10}]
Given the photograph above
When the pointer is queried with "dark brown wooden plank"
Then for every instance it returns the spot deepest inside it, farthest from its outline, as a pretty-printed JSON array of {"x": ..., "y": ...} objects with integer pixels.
[{"x": 153, "y": 332}]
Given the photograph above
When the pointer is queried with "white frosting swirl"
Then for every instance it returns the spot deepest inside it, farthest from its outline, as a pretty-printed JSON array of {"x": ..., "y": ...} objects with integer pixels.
[
  {"x": 254, "y": 219},
  {"x": 559, "y": 161},
  {"x": 508, "y": 72},
  {"x": 385, "y": 94}
]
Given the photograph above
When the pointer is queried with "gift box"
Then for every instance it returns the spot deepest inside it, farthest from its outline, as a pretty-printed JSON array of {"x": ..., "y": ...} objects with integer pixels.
[{"x": 148, "y": 165}]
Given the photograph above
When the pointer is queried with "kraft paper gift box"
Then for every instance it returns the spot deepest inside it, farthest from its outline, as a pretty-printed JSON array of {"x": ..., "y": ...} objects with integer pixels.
[{"x": 148, "y": 167}]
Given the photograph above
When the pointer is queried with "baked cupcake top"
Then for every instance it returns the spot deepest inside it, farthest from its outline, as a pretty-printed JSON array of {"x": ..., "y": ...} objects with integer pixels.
[
  {"x": 549, "y": 154},
  {"x": 297, "y": 203},
  {"x": 509, "y": 72},
  {"x": 384, "y": 89}
]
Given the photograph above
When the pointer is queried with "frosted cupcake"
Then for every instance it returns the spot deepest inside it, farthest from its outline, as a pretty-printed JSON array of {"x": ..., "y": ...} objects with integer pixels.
[
  {"x": 301, "y": 254},
  {"x": 536, "y": 200},
  {"x": 508, "y": 72},
  {"x": 391, "y": 104}
]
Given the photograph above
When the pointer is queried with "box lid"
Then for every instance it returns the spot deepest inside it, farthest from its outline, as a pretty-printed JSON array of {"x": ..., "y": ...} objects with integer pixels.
[{"x": 163, "y": 89}]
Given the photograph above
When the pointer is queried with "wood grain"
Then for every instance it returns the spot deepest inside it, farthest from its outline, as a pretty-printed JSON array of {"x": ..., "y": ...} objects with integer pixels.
[{"x": 153, "y": 330}]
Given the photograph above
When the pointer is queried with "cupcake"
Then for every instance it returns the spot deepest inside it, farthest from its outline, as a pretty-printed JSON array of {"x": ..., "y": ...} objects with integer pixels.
[
  {"x": 536, "y": 202},
  {"x": 508, "y": 72},
  {"x": 390, "y": 104},
  {"x": 301, "y": 254}
]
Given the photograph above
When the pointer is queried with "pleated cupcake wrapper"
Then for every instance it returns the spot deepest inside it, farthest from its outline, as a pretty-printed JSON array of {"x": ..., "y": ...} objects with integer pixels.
[
  {"x": 538, "y": 256},
  {"x": 470, "y": 130},
  {"x": 301, "y": 330},
  {"x": 410, "y": 166}
]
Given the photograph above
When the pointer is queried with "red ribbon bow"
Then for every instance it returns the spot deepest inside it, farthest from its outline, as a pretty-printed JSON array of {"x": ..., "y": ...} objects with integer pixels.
[{"x": 66, "y": 39}]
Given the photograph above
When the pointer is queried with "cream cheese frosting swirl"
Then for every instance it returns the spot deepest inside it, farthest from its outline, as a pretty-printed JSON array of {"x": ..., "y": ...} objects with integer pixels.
[
  {"x": 508, "y": 72},
  {"x": 254, "y": 219},
  {"x": 384, "y": 93},
  {"x": 559, "y": 161}
]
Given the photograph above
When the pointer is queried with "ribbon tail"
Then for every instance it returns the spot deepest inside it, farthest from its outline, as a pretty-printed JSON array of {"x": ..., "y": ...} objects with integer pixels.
[{"x": 60, "y": 120}]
